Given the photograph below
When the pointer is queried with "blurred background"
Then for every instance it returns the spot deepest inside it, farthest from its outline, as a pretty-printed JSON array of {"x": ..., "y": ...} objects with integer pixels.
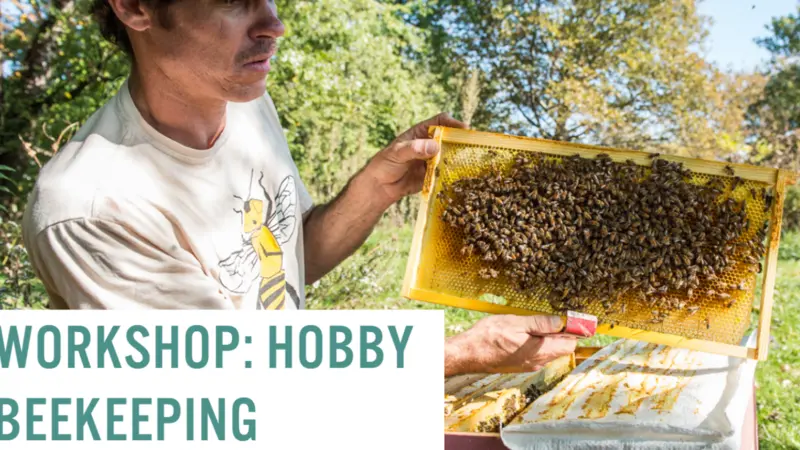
[{"x": 717, "y": 79}]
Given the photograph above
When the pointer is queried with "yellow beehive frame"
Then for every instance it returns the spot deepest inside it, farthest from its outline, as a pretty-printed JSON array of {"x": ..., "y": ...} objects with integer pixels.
[{"x": 777, "y": 179}]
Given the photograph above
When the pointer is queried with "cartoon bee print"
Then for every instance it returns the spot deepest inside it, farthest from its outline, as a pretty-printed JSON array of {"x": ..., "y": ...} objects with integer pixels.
[{"x": 265, "y": 227}]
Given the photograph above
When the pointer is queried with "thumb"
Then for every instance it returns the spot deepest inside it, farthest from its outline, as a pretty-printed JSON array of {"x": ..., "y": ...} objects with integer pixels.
[
  {"x": 543, "y": 324},
  {"x": 403, "y": 152}
]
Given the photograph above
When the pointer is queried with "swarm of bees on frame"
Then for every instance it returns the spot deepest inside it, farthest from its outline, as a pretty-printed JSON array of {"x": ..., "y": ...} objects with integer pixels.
[{"x": 594, "y": 230}]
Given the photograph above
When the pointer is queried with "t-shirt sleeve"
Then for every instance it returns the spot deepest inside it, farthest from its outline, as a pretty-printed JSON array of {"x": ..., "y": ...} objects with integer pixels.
[
  {"x": 306, "y": 201},
  {"x": 100, "y": 264}
]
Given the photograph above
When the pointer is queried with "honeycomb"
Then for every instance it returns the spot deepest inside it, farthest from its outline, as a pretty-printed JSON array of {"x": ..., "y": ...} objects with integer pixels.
[{"x": 444, "y": 269}]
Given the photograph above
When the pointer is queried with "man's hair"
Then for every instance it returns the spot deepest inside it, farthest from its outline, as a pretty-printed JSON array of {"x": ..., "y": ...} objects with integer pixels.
[{"x": 114, "y": 30}]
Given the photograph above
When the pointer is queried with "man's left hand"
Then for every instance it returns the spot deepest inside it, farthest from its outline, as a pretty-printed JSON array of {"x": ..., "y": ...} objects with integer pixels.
[{"x": 399, "y": 169}]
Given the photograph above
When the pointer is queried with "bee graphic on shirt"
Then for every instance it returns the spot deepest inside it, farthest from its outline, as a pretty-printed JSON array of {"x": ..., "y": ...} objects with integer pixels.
[{"x": 266, "y": 225}]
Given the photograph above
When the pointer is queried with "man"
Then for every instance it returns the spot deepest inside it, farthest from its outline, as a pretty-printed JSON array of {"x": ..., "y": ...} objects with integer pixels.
[{"x": 180, "y": 192}]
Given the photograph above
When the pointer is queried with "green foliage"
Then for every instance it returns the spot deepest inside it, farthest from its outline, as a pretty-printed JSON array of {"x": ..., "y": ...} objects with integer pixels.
[
  {"x": 61, "y": 71},
  {"x": 345, "y": 86},
  {"x": 791, "y": 209},
  {"x": 773, "y": 120},
  {"x": 785, "y": 38},
  {"x": 372, "y": 272},
  {"x": 623, "y": 73},
  {"x": 7, "y": 179},
  {"x": 789, "y": 249},
  {"x": 19, "y": 287}
]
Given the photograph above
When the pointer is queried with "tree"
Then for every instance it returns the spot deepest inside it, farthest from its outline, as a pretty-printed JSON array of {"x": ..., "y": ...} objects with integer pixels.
[
  {"x": 57, "y": 70},
  {"x": 345, "y": 85},
  {"x": 625, "y": 73},
  {"x": 470, "y": 97},
  {"x": 774, "y": 118}
]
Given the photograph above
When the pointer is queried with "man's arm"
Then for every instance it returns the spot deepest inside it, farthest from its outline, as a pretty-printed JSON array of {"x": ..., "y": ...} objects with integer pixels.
[{"x": 333, "y": 231}]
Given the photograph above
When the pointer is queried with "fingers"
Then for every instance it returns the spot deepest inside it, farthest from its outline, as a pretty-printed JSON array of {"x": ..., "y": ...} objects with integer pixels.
[
  {"x": 445, "y": 120},
  {"x": 542, "y": 350},
  {"x": 403, "y": 152},
  {"x": 536, "y": 352},
  {"x": 420, "y": 130},
  {"x": 554, "y": 347},
  {"x": 542, "y": 324}
]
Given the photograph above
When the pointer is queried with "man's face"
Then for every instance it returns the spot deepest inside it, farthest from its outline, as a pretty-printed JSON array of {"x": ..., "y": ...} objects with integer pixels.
[{"x": 216, "y": 49}]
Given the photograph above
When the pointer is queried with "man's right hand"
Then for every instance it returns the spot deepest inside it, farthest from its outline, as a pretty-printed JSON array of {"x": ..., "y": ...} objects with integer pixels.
[{"x": 507, "y": 343}]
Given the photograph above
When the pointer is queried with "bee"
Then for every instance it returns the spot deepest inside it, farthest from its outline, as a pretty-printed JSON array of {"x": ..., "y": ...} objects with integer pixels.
[
  {"x": 735, "y": 183},
  {"x": 488, "y": 273},
  {"x": 708, "y": 323},
  {"x": 729, "y": 171},
  {"x": 653, "y": 155},
  {"x": 264, "y": 230}
]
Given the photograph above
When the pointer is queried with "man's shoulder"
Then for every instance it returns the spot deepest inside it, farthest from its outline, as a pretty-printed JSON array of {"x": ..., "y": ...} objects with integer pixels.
[{"x": 67, "y": 184}]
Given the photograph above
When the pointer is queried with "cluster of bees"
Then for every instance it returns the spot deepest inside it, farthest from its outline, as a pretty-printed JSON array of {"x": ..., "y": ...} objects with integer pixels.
[{"x": 593, "y": 230}]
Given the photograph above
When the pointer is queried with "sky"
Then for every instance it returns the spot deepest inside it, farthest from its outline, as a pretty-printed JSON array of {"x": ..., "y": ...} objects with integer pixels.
[{"x": 735, "y": 24}]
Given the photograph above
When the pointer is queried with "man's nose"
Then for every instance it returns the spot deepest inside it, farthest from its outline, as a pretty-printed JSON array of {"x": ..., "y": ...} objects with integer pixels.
[{"x": 268, "y": 25}]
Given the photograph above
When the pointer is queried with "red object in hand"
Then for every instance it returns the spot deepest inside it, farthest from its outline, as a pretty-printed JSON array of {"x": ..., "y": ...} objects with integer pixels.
[{"x": 579, "y": 324}]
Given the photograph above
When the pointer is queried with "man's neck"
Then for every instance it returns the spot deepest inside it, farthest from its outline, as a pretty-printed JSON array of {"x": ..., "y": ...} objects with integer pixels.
[{"x": 175, "y": 113}]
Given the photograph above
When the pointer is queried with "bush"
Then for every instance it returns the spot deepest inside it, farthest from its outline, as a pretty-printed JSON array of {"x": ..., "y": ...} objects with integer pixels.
[
  {"x": 790, "y": 246},
  {"x": 791, "y": 209},
  {"x": 372, "y": 273},
  {"x": 19, "y": 287}
]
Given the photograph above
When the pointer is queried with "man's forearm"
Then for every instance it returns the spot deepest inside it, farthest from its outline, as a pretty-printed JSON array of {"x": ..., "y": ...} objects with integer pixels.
[
  {"x": 333, "y": 231},
  {"x": 456, "y": 357}
]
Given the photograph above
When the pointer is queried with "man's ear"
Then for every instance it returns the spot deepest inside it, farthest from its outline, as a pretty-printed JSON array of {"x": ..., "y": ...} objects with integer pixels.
[{"x": 133, "y": 13}]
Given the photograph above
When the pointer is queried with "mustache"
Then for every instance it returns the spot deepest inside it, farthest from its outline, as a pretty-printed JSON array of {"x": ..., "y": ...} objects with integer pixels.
[{"x": 269, "y": 45}]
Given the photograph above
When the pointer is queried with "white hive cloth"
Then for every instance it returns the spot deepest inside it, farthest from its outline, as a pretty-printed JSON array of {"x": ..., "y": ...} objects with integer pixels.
[{"x": 635, "y": 395}]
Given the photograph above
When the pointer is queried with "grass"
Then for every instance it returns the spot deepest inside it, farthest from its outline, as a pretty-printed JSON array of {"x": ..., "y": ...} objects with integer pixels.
[
  {"x": 394, "y": 245},
  {"x": 777, "y": 379}
]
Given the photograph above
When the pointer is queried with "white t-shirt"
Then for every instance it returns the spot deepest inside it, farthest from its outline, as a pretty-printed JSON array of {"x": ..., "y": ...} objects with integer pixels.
[{"x": 124, "y": 217}]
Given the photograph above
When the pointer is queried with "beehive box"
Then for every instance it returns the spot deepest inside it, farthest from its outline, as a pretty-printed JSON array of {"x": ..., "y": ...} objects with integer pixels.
[
  {"x": 460, "y": 390},
  {"x": 438, "y": 272},
  {"x": 464, "y": 385},
  {"x": 485, "y": 403}
]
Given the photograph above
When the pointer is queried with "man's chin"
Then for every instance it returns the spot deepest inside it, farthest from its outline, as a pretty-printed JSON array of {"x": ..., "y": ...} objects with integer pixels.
[{"x": 246, "y": 92}]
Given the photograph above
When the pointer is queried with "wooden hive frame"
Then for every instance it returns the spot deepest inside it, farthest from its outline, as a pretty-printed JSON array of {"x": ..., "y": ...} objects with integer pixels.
[{"x": 778, "y": 179}]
